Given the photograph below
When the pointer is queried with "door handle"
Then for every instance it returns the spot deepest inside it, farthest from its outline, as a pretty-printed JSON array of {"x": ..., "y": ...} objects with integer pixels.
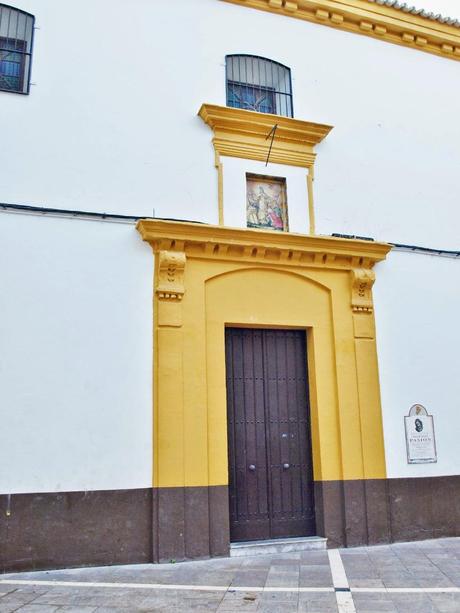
[
  {"x": 286, "y": 465},
  {"x": 252, "y": 467}
]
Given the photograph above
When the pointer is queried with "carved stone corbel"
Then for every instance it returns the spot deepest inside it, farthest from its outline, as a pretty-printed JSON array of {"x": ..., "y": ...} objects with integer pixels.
[
  {"x": 361, "y": 290},
  {"x": 170, "y": 281},
  {"x": 362, "y": 280}
]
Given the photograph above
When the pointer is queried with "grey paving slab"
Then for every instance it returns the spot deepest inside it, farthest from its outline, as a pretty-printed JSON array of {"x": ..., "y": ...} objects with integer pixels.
[
  {"x": 315, "y": 576},
  {"x": 413, "y": 603},
  {"x": 317, "y": 602},
  {"x": 398, "y": 579},
  {"x": 277, "y": 579},
  {"x": 19, "y": 597},
  {"x": 59, "y": 593},
  {"x": 277, "y": 608},
  {"x": 446, "y": 603},
  {"x": 206, "y": 578},
  {"x": 374, "y": 603},
  {"x": 61, "y": 596},
  {"x": 8, "y": 608},
  {"x": 114, "y": 610},
  {"x": 199, "y": 605},
  {"x": 70, "y": 609},
  {"x": 250, "y": 578},
  {"x": 314, "y": 557},
  {"x": 286, "y": 560},
  {"x": 441, "y": 578},
  {"x": 256, "y": 562},
  {"x": 239, "y": 601},
  {"x": 279, "y": 597},
  {"x": 432, "y": 564},
  {"x": 359, "y": 582},
  {"x": 37, "y": 608}
]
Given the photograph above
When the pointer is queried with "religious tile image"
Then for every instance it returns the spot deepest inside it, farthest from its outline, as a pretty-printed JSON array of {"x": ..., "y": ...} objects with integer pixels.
[{"x": 266, "y": 205}]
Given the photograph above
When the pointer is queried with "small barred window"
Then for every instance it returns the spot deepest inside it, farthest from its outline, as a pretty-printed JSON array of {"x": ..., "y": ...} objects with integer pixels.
[
  {"x": 257, "y": 84},
  {"x": 16, "y": 35}
]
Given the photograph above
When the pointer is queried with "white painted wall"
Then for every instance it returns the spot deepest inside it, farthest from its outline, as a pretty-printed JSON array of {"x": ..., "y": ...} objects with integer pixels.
[
  {"x": 417, "y": 303},
  {"x": 235, "y": 191},
  {"x": 111, "y": 123},
  {"x": 76, "y": 355}
]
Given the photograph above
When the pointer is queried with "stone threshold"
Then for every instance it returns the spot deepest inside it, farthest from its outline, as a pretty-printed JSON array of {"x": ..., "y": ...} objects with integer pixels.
[{"x": 288, "y": 545}]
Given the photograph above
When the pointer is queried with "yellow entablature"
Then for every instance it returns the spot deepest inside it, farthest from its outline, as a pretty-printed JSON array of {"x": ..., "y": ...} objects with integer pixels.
[{"x": 437, "y": 36}]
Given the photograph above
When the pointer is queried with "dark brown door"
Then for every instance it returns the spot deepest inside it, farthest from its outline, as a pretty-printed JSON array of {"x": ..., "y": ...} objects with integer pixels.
[{"x": 270, "y": 466}]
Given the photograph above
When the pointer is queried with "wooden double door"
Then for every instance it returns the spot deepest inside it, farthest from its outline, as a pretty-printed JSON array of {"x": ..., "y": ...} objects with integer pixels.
[{"x": 270, "y": 460}]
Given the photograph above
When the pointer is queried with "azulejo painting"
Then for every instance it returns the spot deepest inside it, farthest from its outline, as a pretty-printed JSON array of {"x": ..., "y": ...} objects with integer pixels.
[{"x": 266, "y": 203}]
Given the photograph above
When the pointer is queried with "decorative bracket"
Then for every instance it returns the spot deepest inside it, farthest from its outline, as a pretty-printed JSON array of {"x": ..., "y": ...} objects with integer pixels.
[
  {"x": 361, "y": 290},
  {"x": 171, "y": 268}
]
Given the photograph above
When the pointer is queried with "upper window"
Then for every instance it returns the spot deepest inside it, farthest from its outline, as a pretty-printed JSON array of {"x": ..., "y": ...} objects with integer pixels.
[
  {"x": 257, "y": 84},
  {"x": 16, "y": 34}
]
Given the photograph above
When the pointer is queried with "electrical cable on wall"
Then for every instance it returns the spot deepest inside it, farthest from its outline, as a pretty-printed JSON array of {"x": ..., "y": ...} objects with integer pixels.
[{"x": 132, "y": 219}]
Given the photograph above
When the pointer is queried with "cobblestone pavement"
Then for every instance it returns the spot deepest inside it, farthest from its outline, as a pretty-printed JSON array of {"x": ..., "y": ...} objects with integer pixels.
[{"x": 407, "y": 577}]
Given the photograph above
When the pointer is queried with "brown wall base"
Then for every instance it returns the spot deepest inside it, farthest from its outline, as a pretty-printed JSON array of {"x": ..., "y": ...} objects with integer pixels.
[
  {"x": 105, "y": 527},
  {"x": 191, "y": 523},
  {"x": 39, "y": 531},
  {"x": 375, "y": 511}
]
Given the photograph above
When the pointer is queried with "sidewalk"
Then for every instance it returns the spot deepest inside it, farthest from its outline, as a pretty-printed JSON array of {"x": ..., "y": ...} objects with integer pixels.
[{"x": 406, "y": 577}]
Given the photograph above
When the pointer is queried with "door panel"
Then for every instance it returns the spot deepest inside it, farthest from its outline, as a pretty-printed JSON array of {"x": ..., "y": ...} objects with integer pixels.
[
  {"x": 246, "y": 436},
  {"x": 270, "y": 467}
]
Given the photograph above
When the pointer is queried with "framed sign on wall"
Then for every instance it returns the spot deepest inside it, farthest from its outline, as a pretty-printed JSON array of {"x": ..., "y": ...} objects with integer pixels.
[{"x": 420, "y": 438}]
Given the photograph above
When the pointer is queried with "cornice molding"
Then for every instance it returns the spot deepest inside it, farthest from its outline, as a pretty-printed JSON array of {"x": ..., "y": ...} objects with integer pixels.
[
  {"x": 243, "y": 134},
  {"x": 370, "y": 19},
  {"x": 260, "y": 246}
]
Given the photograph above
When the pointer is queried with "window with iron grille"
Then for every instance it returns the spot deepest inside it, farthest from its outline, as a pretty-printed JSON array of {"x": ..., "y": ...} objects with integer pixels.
[
  {"x": 257, "y": 84},
  {"x": 16, "y": 34}
]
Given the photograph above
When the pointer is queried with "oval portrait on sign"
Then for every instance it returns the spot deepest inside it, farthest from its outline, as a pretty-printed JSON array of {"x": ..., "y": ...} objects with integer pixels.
[
  {"x": 417, "y": 409},
  {"x": 418, "y": 425}
]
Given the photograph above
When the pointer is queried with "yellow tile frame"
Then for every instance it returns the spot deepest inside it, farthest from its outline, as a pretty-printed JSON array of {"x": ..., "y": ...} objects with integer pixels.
[{"x": 208, "y": 277}]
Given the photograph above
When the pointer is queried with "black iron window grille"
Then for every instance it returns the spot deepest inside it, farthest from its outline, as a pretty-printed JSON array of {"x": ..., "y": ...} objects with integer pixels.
[
  {"x": 257, "y": 84},
  {"x": 16, "y": 37}
]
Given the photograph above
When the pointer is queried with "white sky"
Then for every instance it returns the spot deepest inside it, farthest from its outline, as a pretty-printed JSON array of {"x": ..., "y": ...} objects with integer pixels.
[{"x": 450, "y": 8}]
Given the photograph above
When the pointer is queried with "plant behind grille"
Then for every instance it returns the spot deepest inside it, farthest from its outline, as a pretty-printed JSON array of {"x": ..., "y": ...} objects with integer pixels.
[{"x": 257, "y": 84}]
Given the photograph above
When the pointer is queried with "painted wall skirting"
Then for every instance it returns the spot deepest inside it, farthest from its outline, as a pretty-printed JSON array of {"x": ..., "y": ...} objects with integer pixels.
[{"x": 135, "y": 526}]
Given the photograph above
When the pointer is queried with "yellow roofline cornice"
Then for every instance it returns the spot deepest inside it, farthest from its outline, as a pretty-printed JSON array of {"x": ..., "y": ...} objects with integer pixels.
[
  {"x": 241, "y": 133},
  {"x": 370, "y": 19},
  {"x": 260, "y": 246}
]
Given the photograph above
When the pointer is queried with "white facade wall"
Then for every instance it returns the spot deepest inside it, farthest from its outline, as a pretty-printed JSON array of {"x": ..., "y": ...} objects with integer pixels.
[
  {"x": 76, "y": 355},
  {"x": 111, "y": 121},
  {"x": 417, "y": 302},
  {"x": 110, "y": 125}
]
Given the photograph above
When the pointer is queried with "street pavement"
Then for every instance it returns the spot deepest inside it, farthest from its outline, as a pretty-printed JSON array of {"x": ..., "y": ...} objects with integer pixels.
[{"x": 417, "y": 577}]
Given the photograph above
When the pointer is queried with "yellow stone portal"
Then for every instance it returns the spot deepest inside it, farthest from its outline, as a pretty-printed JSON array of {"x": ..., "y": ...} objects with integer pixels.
[{"x": 210, "y": 277}]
